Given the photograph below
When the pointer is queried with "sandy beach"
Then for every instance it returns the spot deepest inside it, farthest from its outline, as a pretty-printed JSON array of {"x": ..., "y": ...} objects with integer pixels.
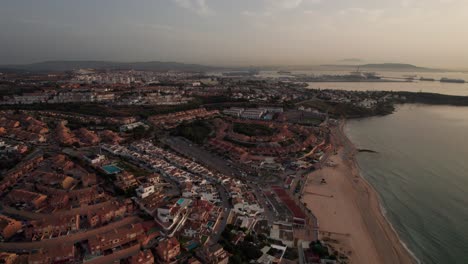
[{"x": 348, "y": 210}]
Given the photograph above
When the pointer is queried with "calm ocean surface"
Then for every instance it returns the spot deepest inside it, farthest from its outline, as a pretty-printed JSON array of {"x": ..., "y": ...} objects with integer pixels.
[
  {"x": 421, "y": 175},
  {"x": 415, "y": 86}
]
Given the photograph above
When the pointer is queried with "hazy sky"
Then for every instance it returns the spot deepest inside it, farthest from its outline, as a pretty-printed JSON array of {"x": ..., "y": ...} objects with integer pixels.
[{"x": 233, "y": 32}]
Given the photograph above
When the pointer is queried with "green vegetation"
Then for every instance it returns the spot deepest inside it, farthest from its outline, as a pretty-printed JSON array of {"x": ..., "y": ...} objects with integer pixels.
[
  {"x": 8, "y": 89},
  {"x": 348, "y": 109},
  {"x": 104, "y": 110},
  {"x": 310, "y": 122},
  {"x": 197, "y": 131},
  {"x": 7, "y": 163},
  {"x": 127, "y": 193},
  {"x": 136, "y": 171},
  {"x": 243, "y": 144},
  {"x": 183, "y": 240},
  {"x": 286, "y": 143},
  {"x": 291, "y": 254},
  {"x": 298, "y": 187},
  {"x": 141, "y": 132},
  {"x": 253, "y": 130},
  {"x": 321, "y": 250},
  {"x": 243, "y": 252},
  {"x": 218, "y": 100},
  {"x": 432, "y": 98}
]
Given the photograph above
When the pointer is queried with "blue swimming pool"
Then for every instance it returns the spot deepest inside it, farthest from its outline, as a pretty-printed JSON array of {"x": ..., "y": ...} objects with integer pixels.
[
  {"x": 111, "y": 169},
  {"x": 192, "y": 246},
  {"x": 180, "y": 201}
]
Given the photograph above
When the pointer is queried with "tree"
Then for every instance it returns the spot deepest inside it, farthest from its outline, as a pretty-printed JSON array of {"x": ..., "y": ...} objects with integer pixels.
[{"x": 250, "y": 251}]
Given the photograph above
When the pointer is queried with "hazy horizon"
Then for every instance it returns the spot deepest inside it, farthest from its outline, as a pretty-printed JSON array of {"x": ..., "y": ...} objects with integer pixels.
[
  {"x": 333, "y": 66},
  {"x": 428, "y": 33}
]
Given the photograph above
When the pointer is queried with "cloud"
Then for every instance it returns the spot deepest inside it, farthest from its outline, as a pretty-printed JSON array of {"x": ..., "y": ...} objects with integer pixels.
[
  {"x": 425, "y": 3},
  {"x": 371, "y": 14},
  {"x": 406, "y": 3},
  {"x": 156, "y": 27},
  {"x": 271, "y": 7},
  {"x": 284, "y": 4},
  {"x": 198, "y": 6},
  {"x": 351, "y": 60},
  {"x": 256, "y": 14},
  {"x": 291, "y": 4}
]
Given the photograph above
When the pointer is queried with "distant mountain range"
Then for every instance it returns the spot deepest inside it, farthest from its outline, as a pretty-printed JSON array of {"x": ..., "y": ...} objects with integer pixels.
[
  {"x": 382, "y": 67},
  {"x": 49, "y": 66},
  {"x": 60, "y": 66}
]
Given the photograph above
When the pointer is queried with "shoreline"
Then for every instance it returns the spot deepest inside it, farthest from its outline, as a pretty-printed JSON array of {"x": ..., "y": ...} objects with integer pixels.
[
  {"x": 353, "y": 219},
  {"x": 382, "y": 210}
]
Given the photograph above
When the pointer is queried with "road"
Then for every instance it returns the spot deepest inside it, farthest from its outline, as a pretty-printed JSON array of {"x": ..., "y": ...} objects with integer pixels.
[
  {"x": 211, "y": 161},
  {"x": 221, "y": 165},
  {"x": 189, "y": 149}
]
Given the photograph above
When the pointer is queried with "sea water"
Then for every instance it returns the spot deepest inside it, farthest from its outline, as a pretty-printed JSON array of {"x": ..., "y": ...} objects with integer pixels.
[{"x": 420, "y": 171}]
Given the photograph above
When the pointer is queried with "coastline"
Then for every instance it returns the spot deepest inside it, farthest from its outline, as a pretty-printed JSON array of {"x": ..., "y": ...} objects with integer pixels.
[{"x": 351, "y": 217}]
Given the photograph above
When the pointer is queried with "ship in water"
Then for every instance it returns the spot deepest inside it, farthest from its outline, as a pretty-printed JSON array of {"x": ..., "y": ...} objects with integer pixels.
[
  {"x": 449, "y": 80},
  {"x": 284, "y": 72},
  {"x": 410, "y": 77},
  {"x": 422, "y": 79}
]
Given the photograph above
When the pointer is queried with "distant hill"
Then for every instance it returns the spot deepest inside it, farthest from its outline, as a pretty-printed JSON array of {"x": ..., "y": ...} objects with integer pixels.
[
  {"x": 48, "y": 66},
  {"x": 396, "y": 66},
  {"x": 383, "y": 67}
]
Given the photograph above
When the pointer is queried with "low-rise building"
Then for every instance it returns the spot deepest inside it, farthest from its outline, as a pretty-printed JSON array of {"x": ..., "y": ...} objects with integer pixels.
[
  {"x": 8, "y": 258},
  {"x": 60, "y": 254},
  {"x": 234, "y": 111},
  {"x": 126, "y": 181},
  {"x": 272, "y": 254},
  {"x": 106, "y": 213},
  {"x": 8, "y": 226},
  {"x": 214, "y": 254},
  {"x": 95, "y": 159},
  {"x": 145, "y": 190},
  {"x": 130, "y": 127},
  {"x": 87, "y": 137},
  {"x": 253, "y": 113},
  {"x": 52, "y": 227},
  {"x": 59, "y": 200},
  {"x": 114, "y": 238},
  {"x": 143, "y": 257},
  {"x": 168, "y": 249},
  {"x": 169, "y": 216},
  {"x": 31, "y": 199}
]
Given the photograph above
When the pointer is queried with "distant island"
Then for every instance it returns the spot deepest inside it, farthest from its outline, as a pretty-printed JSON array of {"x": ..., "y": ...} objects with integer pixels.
[{"x": 383, "y": 67}]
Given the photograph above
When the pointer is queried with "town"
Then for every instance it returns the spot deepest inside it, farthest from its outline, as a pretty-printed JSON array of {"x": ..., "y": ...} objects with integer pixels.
[{"x": 166, "y": 167}]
